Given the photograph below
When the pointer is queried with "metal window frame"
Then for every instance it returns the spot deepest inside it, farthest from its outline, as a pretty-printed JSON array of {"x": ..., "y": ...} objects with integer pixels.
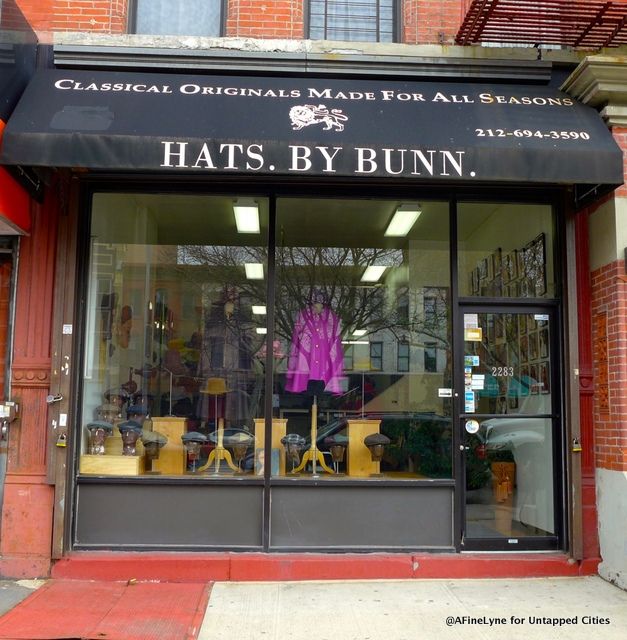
[{"x": 396, "y": 21}]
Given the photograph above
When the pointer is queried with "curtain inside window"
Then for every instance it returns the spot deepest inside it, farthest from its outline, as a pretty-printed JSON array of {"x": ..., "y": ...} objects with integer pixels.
[{"x": 179, "y": 17}]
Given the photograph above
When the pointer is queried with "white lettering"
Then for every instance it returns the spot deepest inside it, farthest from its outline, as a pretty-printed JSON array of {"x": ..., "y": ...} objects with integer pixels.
[
  {"x": 457, "y": 164},
  {"x": 387, "y": 154},
  {"x": 168, "y": 154},
  {"x": 231, "y": 153},
  {"x": 427, "y": 164},
  {"x": 300, "y": 153},
  {"x": 366, "y": 156},
  {"x": 329, "y": 158},
  {"x": 204, "y": 159},
  {"x": 254, "y": 156},
  {"x": 61, "y": 84},
  {"x": 189, "y": 89}
]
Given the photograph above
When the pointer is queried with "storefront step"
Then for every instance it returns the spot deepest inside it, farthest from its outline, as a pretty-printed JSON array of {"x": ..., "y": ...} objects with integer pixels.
[{"x": 201, "y": 567}]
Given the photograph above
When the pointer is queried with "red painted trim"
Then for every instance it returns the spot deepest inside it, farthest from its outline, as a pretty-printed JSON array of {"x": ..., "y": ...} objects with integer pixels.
[
  {"x": 24, "y": 567},
  {"x": 14, "y": 201},
  {"x": 242, "y": 567}
]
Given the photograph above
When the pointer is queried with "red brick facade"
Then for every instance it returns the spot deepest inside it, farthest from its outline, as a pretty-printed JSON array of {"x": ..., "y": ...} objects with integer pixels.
[
  {"x": 265, "y": 19},
  {"x": 431, "y": 21},
  {"x": 609, "y": 316},
  {"x": 421, "y": 21},
  {"x": 609, "y": 334}
]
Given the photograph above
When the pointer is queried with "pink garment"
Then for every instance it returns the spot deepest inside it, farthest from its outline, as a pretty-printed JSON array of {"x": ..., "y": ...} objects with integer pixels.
[{"x": 316, "y": 352}]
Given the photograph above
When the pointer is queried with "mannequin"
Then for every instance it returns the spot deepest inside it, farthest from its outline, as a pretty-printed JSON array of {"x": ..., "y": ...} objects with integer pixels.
[{"x": 316, "y": 352}]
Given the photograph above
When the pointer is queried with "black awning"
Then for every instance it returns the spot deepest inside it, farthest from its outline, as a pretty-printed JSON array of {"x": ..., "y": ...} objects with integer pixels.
[{"x": 301, "y": 126}]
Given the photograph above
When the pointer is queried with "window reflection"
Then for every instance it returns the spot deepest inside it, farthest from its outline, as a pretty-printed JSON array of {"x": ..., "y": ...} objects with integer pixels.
[
  {"x": 175, "y": 336},
  {"x": 506, "y": 250},
  {"x": 358, "y": 314}
]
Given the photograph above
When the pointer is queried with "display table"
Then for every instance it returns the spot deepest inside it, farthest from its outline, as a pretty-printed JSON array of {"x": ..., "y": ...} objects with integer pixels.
[
  {"x": 359, "y": 462},
  {"x": 279, "y": 429},
  {"x": 172, "y": 456}
]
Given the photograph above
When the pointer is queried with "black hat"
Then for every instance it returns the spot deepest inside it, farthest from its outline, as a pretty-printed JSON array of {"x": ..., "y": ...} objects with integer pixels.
[
  {"x": 137, "y": 410},
  {"x": 100, "y": 424},
  {"x": 194, "y": 436},
  {"x": 293, "y": 439},
  {"x": 376, "y": 438},
  {"x": 149, "y": 437},
  {"x": 130, "y": 425}
]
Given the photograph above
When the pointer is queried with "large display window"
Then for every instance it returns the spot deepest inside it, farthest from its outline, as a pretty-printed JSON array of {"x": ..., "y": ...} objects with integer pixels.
[
  {"x": 362, "y": 340},
  {"x": 173, "y": 373}
]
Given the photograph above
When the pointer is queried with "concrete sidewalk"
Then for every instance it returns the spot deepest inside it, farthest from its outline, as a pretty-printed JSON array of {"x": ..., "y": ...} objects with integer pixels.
[
  {"x": 583, "y": 608},
  {"x": 12, "y": 592},
  {"x": 537, "y": 608}
]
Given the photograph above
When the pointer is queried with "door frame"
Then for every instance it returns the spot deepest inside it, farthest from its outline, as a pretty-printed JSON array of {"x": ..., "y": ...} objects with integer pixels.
[{"x": 543, "y": 543}]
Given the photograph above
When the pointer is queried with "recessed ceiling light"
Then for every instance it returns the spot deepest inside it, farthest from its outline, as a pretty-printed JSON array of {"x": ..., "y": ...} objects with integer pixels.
[
  {"x": 254, "y": 270},
  {"x": 246, "y": 213},
  {"x": 373, "y": 273},
  {"x": 403, "y": 220},
  {"x": 261, "y": 330},
  {"x": 360, "y": 332},
  {"x": 259, "y": 309}
]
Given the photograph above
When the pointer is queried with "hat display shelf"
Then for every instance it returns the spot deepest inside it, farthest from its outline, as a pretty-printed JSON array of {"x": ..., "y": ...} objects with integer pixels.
[
  {"x": 217, "y": 387},
  {"x": 313, "y": 454}
]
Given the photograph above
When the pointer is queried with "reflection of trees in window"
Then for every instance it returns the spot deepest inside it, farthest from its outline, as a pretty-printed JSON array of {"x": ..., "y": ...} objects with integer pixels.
[
  {"x": 336, "y": 274},
  {"x": 402, "y": 360},
  {"x": 376, "y": 356},
  {"x": 431, "y": 357},
  {"x": 349, "y": 357},
  {"x": 402, "y": 305}
]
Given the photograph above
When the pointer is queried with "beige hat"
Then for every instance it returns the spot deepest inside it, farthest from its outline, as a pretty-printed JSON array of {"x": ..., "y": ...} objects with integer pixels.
[{"x": 215, "y": 387}]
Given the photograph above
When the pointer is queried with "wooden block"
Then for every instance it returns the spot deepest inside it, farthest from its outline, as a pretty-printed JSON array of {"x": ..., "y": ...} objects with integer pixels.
[
  {"x": 359, "y": 463},
  {"x": 279, "y": 429},
  {"x": 112, "y": 465},
  {"x": 172, "y": 456}
]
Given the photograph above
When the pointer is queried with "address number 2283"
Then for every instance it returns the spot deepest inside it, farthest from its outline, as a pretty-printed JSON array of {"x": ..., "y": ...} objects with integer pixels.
[{"x": 500, "y": 372}]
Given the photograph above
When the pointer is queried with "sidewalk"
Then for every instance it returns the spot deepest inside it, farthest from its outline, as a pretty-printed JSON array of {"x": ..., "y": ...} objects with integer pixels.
[{"x": 533, "y": 608}]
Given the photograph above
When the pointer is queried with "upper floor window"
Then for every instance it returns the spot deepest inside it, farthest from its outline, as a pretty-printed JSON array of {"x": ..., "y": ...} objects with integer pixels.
[
  {"x": 357, "y": 20},
  {"x": 178, "y": 17}
]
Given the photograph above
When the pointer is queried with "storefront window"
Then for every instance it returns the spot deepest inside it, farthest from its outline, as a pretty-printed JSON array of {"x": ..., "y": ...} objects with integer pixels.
[
  {"x": 352, "y": 396},
  {"x": 173, "y": 372},
  {"x": 506, "y": 250}
]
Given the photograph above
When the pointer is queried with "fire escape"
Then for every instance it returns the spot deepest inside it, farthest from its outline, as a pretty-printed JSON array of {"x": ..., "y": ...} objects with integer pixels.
[{"x": 585, "y": 24}]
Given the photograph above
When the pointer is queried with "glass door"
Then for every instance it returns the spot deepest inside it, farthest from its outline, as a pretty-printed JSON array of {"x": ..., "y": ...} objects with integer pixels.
[{"x": 508, "y": 430}]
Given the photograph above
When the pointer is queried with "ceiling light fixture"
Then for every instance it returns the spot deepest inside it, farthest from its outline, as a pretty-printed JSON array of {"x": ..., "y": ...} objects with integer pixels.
[
  {"x": 246, "y": 213},
  {"x": 373, "y": 273},
  {"x": 259, "y": 309},
  {"x": 403, "y": 220},
  {"x": 254, "y": 270}
]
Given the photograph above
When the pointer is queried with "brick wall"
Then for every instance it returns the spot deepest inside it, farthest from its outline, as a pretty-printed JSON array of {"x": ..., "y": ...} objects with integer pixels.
[
  {"x": 609, "y": 318},
  {"x": 609, "y": 332},
  {"x": 106, "y": 16},
  {"x": 18, "y": 14},
  {"x": 431, "y": 21},
  {"x": 422, "y": 21},
  {"x": 265, "y": 19}
]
